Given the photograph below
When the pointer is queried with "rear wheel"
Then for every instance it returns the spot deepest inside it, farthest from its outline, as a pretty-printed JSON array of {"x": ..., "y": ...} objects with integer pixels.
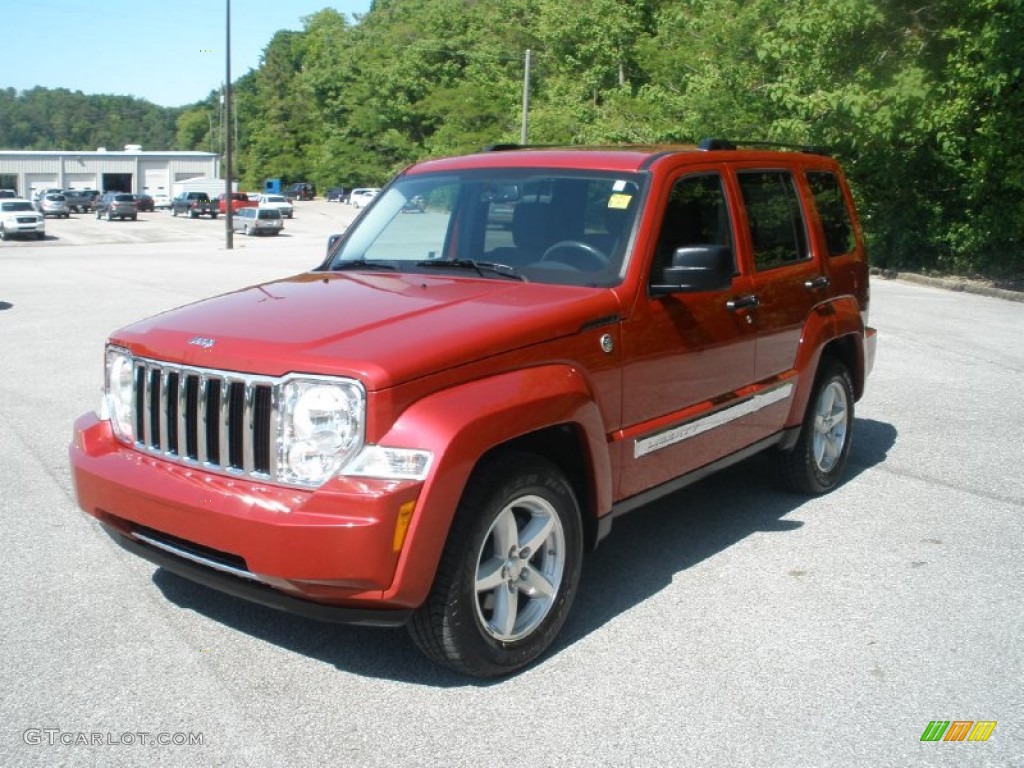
[
  {"x": 818, "y": 460},
  {"x": 509, "y": 571}
]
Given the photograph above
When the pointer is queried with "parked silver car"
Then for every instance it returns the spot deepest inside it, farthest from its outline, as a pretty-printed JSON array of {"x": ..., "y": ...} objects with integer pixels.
[
  {"x": 257, "y": 221},
  {"x": 116, "y": 205},
  {"x": 54, "y": 205}
]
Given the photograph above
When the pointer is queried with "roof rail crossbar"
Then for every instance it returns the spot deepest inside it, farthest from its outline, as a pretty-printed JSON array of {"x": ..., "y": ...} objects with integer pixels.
[
  {"x": 810, "y": 149},
  {"x": 710, "y": 144},
  {"x": 502, "y": 147}
]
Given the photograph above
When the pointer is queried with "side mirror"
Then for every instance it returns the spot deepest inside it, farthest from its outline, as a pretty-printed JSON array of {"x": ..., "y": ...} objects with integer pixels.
[{"x": 696, "y": 268}]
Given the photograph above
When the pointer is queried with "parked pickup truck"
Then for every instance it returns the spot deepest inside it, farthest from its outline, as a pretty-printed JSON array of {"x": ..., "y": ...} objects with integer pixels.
[
  {"x": 81, "y": 200},
  {"x": 239, "y": 200},
  {"x": 432, "y": 426},
  {"x": 193, "y": 205}
]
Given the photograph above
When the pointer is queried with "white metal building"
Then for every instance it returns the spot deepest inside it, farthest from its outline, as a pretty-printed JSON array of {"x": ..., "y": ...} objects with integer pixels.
[{"x": 131, "y": 170}]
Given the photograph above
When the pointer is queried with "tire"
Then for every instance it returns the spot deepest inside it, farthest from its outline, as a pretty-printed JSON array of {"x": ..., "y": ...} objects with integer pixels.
[
  {"x": 246, "y": 231},
  {"x": 817, "y": 462},
  {"x": 490, "y": 614},
  {"x": 135, "y": 217},
  {"x": 3, "y": 232},
  {"x": 40, "y": 235},
  {"x": 109, "y": 217},
  {"x": 192, "y": 214},
  {"x": 213, "y": 215},
  {"x": 174, "y": 211}
]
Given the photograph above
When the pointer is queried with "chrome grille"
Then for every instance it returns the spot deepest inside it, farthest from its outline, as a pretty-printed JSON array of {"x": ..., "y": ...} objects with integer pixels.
[{"x": 216, "y": 420}]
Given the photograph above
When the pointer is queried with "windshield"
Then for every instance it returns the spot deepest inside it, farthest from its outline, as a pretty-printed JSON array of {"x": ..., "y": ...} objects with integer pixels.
[
  {"x": 550, "y": 226},
  {"x": 16, "y": 207}
]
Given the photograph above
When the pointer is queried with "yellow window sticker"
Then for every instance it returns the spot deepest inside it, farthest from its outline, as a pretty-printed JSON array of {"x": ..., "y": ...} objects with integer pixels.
[{"x": 619, "y": 201}]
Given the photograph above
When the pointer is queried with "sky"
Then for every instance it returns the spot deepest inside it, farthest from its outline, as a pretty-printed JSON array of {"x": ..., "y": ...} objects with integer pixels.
[{"x": 169, "y": 52}]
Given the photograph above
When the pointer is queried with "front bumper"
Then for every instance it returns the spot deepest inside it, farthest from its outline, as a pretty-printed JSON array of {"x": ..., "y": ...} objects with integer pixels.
[
  {"x": 18, "y": 228},
  {"x": 258, "y": 593},
  {"x": 310, "y": 552}
]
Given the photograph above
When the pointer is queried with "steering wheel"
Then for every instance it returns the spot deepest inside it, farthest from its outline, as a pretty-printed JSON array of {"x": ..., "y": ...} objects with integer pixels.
[{"x": 594, "y": 259}]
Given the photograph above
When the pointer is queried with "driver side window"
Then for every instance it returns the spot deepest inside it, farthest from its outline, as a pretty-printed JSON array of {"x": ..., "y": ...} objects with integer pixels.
[{"x": 697, "y": 213}]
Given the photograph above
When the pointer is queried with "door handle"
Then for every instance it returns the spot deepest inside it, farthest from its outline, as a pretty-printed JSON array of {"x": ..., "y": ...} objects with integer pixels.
[
  {"x": 742, "y": 302},
  {"x": 818, "y": 282}
]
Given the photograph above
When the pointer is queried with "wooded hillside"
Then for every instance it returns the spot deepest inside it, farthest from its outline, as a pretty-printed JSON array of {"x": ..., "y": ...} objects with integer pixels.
[{"x": 921, "y": 101}]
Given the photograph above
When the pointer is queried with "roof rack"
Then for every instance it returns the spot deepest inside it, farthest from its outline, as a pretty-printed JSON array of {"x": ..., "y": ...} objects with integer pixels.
[
  {"x": 502, "y": 147},
  {"x": 710, "y": 144}
]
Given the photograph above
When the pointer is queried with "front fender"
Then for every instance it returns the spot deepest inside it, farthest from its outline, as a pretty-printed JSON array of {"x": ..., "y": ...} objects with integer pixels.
[{"x": 460, "y": 425}]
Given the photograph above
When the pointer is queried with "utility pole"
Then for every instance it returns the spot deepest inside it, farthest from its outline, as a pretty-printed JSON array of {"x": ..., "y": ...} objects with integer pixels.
[
  {"x": 229, "y": 233},
  {"x": 526, "y": 99}
]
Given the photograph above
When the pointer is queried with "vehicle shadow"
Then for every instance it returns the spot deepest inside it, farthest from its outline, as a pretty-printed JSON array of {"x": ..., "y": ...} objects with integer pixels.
[{"x": 646, "y": 549}]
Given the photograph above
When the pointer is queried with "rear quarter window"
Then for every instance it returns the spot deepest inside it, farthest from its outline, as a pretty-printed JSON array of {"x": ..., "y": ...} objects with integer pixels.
[{"x": 833, "y": 211}]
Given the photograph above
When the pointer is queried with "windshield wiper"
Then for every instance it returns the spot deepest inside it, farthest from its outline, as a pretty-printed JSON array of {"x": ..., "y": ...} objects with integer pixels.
[
  {"x": 480, "y": 267},
  {"x": 362, "y": 264}
]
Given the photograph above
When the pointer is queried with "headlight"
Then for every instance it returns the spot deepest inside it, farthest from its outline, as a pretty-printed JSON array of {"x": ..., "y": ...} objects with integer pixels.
[
  {"x": 118, "y": 392},
  {"x": 322, "y": 428}
]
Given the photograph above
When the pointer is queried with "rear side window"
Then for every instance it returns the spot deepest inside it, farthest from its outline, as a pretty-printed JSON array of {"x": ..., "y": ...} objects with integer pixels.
[
  {"x": 833, "y": 212},
  {"x": 776, "y": 221}
]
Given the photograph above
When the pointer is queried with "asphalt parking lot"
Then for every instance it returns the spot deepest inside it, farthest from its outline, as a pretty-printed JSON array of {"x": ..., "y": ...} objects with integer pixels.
[
  {"x": 731, "y": 624},
  {"x": 312, "y": 219}
]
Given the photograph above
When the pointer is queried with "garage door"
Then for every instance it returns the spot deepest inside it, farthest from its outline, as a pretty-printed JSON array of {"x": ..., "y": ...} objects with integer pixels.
[
  {"x": 37, "y": 181},
  {"x": 80, "y": 181},
  {"x": 155, "y": 181}
]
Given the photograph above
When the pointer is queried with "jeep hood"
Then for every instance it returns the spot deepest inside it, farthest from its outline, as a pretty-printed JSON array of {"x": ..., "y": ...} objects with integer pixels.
[{"x": 381, "y": 329}]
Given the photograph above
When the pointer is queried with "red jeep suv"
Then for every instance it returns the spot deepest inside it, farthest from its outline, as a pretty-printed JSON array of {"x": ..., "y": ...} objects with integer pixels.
[{"x": 431, "y": 427}]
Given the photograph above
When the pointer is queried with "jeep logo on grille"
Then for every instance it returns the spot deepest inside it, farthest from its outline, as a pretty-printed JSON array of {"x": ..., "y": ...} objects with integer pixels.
[{"x": 202, "y": 341}]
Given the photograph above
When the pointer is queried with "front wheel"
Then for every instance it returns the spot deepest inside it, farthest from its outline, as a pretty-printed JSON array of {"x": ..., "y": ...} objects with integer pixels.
[
  {"x": 818, "y": 460},
  {"x": 509, "y": 571}
]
